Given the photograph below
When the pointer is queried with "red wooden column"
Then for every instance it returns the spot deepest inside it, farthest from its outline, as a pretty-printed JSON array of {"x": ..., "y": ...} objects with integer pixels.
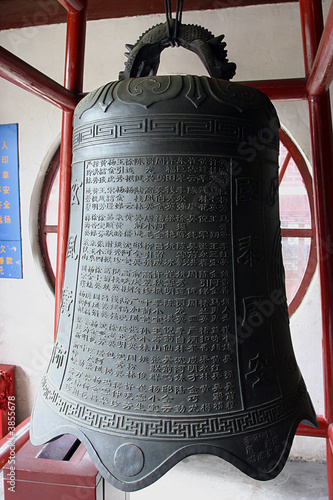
[
  {"x": 322, "y": 162},
  {"x": 75, "y": 44}
]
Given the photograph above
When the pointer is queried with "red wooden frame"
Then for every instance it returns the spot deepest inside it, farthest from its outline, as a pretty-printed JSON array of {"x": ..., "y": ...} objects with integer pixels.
[
  {"x": 15, "y": 70},
  {"x": 301, "y": 233},
  {"x": 43, "y": 228},
  {"x": 318, "y": 57},
  {"x": 24, "y": 13}
]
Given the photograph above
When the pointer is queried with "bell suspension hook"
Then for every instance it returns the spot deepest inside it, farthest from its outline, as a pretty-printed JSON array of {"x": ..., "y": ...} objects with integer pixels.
[{"x": 173, "y": 37}]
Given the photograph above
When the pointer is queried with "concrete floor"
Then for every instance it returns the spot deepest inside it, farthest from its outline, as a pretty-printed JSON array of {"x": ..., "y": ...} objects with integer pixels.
[
  {"x": 208, "y": 478},
  {"x": 205, "y": 477}
]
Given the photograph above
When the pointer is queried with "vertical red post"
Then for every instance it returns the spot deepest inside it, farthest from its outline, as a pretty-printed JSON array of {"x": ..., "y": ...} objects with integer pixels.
[
  {"x": 312, "y": 28},
  {"x": 322, "y": 163},
  {"x": 75, "y": 44}
]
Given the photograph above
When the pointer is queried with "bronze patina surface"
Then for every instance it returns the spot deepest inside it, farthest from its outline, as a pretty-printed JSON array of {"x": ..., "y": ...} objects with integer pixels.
[{"x": 173, "y": 334}]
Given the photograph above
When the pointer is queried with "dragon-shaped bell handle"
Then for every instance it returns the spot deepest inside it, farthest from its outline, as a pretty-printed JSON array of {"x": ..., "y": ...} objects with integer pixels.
[{"x": 144, "y": 56}]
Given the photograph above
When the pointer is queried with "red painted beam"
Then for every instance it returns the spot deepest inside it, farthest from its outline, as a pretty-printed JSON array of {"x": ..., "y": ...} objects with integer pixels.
[
  {"x": 75, "y": 46},
  {"x": 321, "y": 74},
  {"x": 296, "y": 232},
  {"x": 72, "y": 5},
  {"x": 24, "y": 13},
  {"x": 284, "y": 89},
  {"x": 13, "y": 69},
  {"x": 12, "y": 443},
  {"x": 306, "y": 430}
]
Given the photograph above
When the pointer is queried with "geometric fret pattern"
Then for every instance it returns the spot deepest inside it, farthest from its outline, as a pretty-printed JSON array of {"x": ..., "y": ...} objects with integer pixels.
[
  {"x": 175, "y": 127},
  {"x": 149, "y": 427}
]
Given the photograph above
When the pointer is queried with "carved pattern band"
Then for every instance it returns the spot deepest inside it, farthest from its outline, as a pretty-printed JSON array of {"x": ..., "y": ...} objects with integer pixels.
[
  {"x": 161, "y": 127},
  {"x": 155, "y": 427}
]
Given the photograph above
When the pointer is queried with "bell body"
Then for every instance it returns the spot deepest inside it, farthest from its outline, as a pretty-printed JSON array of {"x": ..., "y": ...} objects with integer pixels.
[{"x": 173, "y": 335}]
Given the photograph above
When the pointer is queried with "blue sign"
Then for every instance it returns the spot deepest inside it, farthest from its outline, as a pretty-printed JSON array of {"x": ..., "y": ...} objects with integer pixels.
[{"x": 10, "y": 223}]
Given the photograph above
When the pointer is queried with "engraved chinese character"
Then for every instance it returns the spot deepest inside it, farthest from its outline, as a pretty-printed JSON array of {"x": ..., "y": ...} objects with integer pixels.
[
  {"x": 58, "y": 355},
  {"x": 71, "y": 251},
  {"x": 66, "y": 301},
  {"x": 180, "y": 409},
  {"x": 167, "y": 408},
  {"x": 246, "y": 190},
  {"x": 153, "y": 407},
  {"x": 75, "y": 188},
  {"x": 250, "y": 250},
  {"x": 260, "y": 370},
  {"x": 252, "y": 317}
]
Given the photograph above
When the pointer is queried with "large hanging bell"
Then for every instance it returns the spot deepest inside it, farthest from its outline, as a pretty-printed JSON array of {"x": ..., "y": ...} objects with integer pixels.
[{"x": 173, "y": 335}]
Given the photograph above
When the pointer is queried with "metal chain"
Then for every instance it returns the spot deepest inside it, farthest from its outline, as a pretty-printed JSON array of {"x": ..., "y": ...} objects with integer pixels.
[
  {"x": 168, "y": 12},
  {"x": 178, "y": 20}
]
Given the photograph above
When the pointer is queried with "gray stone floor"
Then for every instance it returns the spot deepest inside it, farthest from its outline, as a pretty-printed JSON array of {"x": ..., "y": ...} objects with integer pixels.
[
  {"x": 208, "y": 478},
  {"x": 204, "y": 477}
]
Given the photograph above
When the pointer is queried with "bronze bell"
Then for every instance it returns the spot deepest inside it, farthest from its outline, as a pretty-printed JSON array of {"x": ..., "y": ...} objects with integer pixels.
[{"x": 173, "y": 336}]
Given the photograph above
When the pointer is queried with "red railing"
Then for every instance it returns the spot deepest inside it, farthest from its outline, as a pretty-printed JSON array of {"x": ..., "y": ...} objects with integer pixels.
[{"x": 318, "y": 58}]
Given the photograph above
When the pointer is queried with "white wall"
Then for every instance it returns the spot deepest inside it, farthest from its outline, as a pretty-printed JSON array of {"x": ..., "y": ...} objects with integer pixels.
[{"x": 264, "y": 41}]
